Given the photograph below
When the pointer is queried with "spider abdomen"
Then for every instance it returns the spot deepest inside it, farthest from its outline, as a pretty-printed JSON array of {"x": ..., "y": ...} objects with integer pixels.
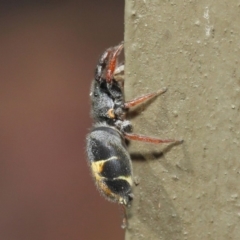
[{"x": 110, "y": 163}]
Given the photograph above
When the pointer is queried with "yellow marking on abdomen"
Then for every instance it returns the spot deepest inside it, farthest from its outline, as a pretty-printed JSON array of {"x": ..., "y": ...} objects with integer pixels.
[
  {"x": 97, "y": 168},
  {"x": 126, "y": 178}
]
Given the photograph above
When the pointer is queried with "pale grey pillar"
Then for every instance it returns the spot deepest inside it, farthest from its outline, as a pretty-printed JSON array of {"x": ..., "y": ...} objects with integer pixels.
[{"x": 192, "y": 47}]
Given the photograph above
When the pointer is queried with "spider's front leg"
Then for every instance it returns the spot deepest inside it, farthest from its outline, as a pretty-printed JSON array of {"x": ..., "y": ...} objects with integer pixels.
[
  {"x": 107, "y": 67},
  {"x": 110, "y": 75},
  {"x": 101, "y": 66},
  {"x": 112, "y": 68},
  {"x": 114, "y": 81}
]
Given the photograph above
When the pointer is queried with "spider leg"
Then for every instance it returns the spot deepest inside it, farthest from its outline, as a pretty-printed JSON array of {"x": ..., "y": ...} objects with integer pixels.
[
  {"x": 143, "y": 98},
  {"x": 137, "y": 137},
  {"x": 118, "y": 75},
  {"x": 113, "y": 62},
  {"x": 119, "y": 70},
  {"x": 102, "y": 62}
]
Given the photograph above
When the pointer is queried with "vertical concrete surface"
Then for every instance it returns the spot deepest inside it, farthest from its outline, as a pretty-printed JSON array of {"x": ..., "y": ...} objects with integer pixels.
[{"x": 192, "y": 190}]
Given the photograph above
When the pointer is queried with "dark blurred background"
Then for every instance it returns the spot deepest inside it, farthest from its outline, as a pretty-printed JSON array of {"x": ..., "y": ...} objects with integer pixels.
[{"x": 48, "y": 52}]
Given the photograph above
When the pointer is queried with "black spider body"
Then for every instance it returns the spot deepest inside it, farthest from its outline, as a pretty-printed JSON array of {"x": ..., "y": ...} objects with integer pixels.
[{"x": 106, "y": 149}]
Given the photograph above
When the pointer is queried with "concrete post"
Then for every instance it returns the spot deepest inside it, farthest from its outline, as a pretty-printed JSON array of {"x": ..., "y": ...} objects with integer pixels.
[{"x": 188, "y": 191}]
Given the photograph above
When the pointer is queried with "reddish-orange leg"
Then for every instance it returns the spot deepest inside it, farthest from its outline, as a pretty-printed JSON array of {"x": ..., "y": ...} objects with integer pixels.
[
  {"x": 137, "y": 137},
  {"x": 113, "y": 62},
  {"x": 143, "y": 98}
]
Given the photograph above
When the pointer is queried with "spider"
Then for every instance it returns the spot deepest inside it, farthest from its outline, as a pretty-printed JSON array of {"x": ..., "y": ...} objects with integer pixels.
[{"x": 107, "y": 153}]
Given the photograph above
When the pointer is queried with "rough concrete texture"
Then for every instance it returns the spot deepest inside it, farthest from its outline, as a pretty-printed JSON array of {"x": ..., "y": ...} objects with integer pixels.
[{"x": 191, "y": 191}]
